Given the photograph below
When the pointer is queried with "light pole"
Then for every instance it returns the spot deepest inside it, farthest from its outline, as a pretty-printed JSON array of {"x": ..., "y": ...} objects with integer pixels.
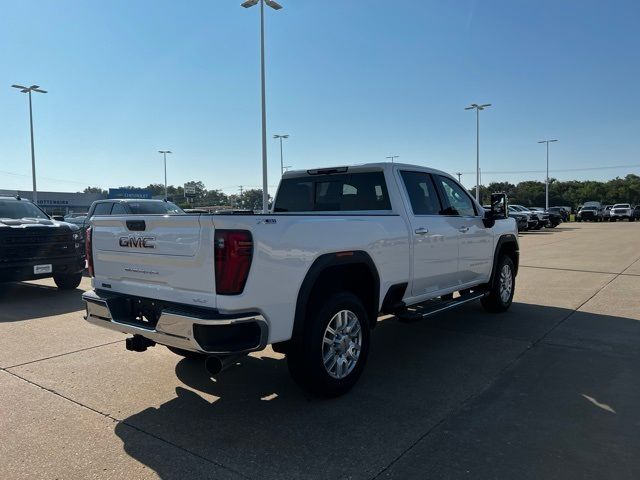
[
  {"x": 265, "y": 186},
  {"x": 32, "y": 88},
  {"x": 280, "y": 137},
  {"x": 477, "y": 108},
  {"x": 546, "y": 182},
  {"x": 392, "y": 157},
  {"x": 459, "y": 174},
  {"x": 164, "y": 155}
]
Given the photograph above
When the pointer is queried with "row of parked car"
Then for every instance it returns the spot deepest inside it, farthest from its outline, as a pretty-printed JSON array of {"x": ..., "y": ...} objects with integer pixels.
[
  {"x": 536, "y": 218},
  {"x": 596, "y": 212}
]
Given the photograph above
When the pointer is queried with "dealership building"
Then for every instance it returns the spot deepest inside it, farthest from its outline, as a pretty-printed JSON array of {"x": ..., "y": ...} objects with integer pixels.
[{"x": 64, "y": 203}]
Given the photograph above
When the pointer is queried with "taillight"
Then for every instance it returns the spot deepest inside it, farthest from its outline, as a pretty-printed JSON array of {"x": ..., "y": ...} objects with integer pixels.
[
  {"x": 88, "y": 244},
  {"x": 233, "y": 253}
]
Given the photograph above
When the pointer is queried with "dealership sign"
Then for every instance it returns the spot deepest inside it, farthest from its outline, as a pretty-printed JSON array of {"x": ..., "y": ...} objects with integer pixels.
[
  {"x": 129, "y": 193},
  {"x": 189, "y": 191}
]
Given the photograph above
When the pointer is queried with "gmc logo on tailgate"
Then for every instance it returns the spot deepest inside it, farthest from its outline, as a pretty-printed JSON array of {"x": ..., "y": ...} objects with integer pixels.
[{"x": 137, "y": 242}]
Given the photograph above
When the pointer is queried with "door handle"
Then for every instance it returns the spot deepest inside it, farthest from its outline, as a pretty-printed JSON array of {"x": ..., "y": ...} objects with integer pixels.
[
  {"x": 422, "y": 231},
  {"x": 463, "y": 229}
]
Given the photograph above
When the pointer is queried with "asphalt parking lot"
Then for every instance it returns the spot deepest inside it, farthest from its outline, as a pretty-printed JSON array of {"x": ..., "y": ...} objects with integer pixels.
[{"x": 548, "y": 390}]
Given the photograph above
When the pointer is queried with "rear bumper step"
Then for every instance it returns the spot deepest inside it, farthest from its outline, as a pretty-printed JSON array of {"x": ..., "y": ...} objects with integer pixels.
[
  {"x": 180, "y": 326},
  {"x": 433, "y": 307}
]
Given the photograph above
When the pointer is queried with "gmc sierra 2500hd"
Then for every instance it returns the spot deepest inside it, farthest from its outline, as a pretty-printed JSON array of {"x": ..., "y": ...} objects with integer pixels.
[{"x": 341, "y": 246}]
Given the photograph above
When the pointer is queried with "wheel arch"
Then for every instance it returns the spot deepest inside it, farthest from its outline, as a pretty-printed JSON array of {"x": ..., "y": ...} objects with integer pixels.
[
  {"x": 507, "y": 244},
  {"x": 352, "y": 271}
]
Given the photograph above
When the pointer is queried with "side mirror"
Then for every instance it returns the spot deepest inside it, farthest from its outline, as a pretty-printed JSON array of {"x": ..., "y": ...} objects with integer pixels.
[{"x": 499, "y": 206}]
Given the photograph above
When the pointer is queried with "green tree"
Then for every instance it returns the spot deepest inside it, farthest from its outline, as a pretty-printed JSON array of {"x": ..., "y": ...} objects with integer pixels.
[
  {"x": 156, "y": 189},
  {"x": 251, "y": 199},
  {"x": 215, "y": 198},
  {"x": 95, "y": 190}
]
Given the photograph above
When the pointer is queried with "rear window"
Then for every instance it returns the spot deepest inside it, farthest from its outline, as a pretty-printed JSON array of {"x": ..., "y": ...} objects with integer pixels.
[
  {"x": 333, "y": 193},
  {"x": 154, "y": 208}
]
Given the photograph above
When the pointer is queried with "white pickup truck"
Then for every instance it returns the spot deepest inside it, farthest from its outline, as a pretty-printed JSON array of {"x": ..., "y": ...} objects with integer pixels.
[{"x": 341, "y": 246}]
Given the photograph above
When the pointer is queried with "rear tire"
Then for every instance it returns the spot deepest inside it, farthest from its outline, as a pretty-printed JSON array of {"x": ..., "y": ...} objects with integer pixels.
[
  {"x": 68, "y": 282},
  {"x": 502, "y": 288},
  {"x": 186, "y": 353},
  {"x": 331, "y": 354}
]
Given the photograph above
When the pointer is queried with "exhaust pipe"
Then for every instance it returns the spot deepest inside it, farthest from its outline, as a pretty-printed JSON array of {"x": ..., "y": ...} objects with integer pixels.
[{"x": 214, "y": 364}]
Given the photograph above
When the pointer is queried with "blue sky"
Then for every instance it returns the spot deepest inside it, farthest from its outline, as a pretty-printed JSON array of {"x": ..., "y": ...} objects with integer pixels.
[{"x": 351, "y": 81}]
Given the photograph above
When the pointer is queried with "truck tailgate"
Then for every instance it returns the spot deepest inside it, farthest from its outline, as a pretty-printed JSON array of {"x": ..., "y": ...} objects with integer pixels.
[{"x": 155, "y": 256}]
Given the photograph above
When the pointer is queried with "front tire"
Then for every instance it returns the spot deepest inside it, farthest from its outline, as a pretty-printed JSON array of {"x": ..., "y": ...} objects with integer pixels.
[
  {"x": 331, "y": 354},
  {"x": 502, "y": 288},
  {"x": 68, "y": 282}
]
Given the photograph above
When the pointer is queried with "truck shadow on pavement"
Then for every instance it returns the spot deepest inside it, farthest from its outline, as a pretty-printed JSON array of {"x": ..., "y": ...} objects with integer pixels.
[
  {"x": 26, "y": 301},
  {"x": 491, "y": 402}
]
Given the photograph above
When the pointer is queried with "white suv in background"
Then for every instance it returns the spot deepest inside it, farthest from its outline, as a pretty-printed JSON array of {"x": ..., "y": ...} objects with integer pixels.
[{"x": 620, "y": 211}]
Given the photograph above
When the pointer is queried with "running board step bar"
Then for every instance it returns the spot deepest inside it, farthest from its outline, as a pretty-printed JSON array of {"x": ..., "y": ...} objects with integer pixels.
[{"x": 432, "y": 307}]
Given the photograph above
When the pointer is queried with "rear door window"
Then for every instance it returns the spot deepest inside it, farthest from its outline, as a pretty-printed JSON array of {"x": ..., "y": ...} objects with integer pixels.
[
  {"x": 118, "y": 209},
  {"x": 103, "y": 208},
  {"x": 334, "y": 193},
  {"x": 421, "y": 192}
]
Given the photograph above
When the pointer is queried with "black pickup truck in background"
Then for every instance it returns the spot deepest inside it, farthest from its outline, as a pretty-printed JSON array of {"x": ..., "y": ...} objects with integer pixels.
[{"x": 34, "y": 246}]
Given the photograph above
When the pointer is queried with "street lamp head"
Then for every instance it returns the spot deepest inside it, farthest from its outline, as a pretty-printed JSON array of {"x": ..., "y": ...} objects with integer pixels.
[
  {"x": 164, "y": 151},
  {"x": 272, "y": 4},
  {"x": 32, "y": 88},
  {"x": 478, "y": 107},
  {"x": 249, "y": 3},
  {"x": 281, "y": 136}
]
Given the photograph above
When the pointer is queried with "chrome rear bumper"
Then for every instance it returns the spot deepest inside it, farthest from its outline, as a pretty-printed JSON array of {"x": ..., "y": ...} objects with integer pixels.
[{"x": 182, "y": 326}]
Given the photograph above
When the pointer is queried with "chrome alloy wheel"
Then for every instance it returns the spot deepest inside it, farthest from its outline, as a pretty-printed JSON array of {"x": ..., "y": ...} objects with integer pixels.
[
  {"x": 341, "y": 344},
  {"x": 506, "y": 283}
]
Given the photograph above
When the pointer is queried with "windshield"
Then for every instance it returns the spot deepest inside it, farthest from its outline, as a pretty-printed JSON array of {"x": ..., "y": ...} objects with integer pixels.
[
  {"x": 155, "y": 208},
  {"x": 17, "y": 209},
  {"x": 621, "y": 205},
  {"x": 589, "y": 208}
]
